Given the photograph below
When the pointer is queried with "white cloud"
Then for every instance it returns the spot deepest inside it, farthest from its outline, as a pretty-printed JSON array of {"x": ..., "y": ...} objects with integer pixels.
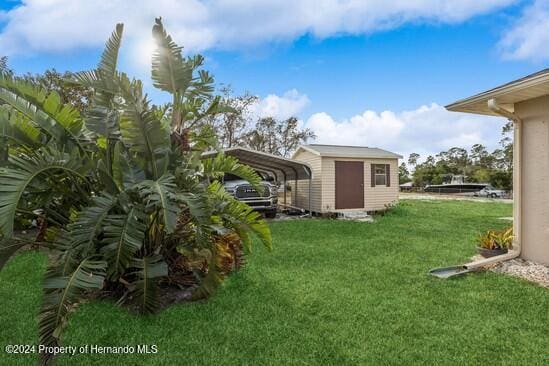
[
  {"x": 290, "y": 104},
  {"x": 529, "y": 36},
  {"x": 58, "y": 25},
  {"x": 426, "y": 130}
]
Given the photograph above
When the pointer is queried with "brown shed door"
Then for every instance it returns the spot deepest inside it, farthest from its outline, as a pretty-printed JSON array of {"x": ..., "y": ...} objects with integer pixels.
[{"x": 349, "y": 184}]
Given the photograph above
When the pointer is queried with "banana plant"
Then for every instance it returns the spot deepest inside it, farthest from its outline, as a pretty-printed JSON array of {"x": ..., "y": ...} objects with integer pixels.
[{"x": 124, "y": 190}]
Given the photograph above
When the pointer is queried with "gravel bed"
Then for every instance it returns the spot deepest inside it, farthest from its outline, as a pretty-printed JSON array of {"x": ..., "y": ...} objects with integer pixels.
[{"x": 528, "y": 270}]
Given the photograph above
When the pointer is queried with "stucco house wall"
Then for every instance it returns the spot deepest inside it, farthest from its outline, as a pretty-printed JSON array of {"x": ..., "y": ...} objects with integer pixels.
[
  {"x": 524, "y": 101},
  {"x": 534, "y": 184}
]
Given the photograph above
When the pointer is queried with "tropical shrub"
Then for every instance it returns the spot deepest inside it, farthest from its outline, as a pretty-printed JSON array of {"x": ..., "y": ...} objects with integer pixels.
[
  {"x": 122, "y": 194},
  {"x": 496, "y": 239}
]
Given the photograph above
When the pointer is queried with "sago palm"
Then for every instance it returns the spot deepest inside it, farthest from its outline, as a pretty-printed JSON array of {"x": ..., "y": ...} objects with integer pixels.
[{"x": 121, "y": 193}]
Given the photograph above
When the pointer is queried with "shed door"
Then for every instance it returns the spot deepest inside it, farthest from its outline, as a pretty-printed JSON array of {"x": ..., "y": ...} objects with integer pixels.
[{"x": 349, "y": 184}]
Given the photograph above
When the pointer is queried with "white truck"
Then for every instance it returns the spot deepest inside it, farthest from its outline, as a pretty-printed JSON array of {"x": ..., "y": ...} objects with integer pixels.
[
  {"x": 490, "y": 192},
  {"x": 243, "y": 191}
]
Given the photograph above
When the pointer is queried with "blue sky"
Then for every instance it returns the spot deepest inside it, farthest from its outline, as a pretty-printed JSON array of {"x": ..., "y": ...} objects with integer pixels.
[{"x": 362, "y": 73}]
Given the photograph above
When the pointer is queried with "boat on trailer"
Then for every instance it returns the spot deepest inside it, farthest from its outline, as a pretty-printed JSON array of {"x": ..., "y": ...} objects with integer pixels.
[{"x": 456, "y": 185}]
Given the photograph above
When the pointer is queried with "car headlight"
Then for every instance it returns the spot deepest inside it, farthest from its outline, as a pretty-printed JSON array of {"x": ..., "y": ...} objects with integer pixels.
[{"x": 274, "y": 190}]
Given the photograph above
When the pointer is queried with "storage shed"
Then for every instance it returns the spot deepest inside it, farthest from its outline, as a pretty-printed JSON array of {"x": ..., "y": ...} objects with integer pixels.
[{"x": 348, "y": 178}]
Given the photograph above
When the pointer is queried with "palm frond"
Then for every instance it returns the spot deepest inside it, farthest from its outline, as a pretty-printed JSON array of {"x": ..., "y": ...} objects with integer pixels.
[
  {"x": 123, "y": 237},
  {"x": 222, "y": 164},
  {"x": 61, "y": 294},
  {"x": 102, "y": 118},
  {"x": 170, "y": 72},
  {"x": 109, "y": 58},
  {"x": 61, "y": 121},
  {"x": 197, "y": 204},
  {"x": 7, "y": 249},
  {"x": 239, "y": 217},
  {"x": 160, "y": 196},
  {"x": 17, "y": 129},
  {"x": 14, "y": 180},
  {"x": 123, "y": 171},
  {"x": 148, "y": 270},
  {"x": 142, "y": 132},
  {"x": 84, "y": 231}
]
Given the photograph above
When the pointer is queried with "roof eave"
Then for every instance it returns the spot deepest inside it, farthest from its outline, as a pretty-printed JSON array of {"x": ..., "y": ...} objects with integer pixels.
[{"x": 477, "y": 104}]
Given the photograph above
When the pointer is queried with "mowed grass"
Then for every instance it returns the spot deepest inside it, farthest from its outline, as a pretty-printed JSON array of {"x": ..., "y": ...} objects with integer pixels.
[{"x": 330, "y": 293}]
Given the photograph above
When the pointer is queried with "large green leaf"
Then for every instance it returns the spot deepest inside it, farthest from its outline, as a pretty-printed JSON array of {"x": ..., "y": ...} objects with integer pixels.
[
  {"x": 123, "y": 237},
  {"x": 7, "y": 249},
  {"x": 124, "y": 173},
  {"x": 222, "y": 164},
  {"x": 197, "y": 204},
  {"x": 160, "y": 196},
  {"x": 142, "y": 132},
  {"x": 240, "y": 217},
  {"x": 61, "y": 294},
  {"x": 17, "y": 129},
  {"x": 148, "y": 270},
  {"x": 15, "y": 179},
  {"x": 109, "y": 58},
  {"x": 170, "y": 72},
  {"x": 103, "y": 117},
  {"x": 61, "y": 121},
  {"x": 83, "y": 232}
]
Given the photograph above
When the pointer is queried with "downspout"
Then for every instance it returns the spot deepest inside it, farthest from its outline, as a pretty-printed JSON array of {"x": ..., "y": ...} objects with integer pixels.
[{"x": 514, "y": 252}]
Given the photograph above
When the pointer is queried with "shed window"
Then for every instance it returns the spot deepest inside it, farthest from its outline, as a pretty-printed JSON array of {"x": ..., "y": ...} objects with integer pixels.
[{"x": 381, "y": 175}]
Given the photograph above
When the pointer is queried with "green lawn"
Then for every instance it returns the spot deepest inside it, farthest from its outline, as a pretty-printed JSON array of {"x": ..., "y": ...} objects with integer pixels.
[{"x": 331, "y": 292}]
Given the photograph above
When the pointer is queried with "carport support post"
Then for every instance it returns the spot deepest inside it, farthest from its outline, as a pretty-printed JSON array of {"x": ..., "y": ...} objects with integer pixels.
[
  {"x": 310, "y": 209},
  {"x": 285, "y": 189},
  {"x": 295, "y": 195}
]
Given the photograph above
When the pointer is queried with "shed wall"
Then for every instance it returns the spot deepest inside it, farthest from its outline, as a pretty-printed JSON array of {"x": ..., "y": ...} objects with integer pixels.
[
  {"x": 375, "y": 198},
  {"x": 535, "y": 179}
]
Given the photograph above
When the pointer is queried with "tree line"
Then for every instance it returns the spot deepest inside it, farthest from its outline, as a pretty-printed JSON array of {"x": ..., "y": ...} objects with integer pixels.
[
  {"x": 478, "y": 165},
  {"x": 237, "y": 126}
]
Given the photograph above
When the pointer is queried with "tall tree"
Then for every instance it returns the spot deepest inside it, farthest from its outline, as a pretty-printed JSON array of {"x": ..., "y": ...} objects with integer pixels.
[
  {"x": 403, "y": 173},
  {"x": 413, "y": 159},
  {"x": 4, "y": 67},
  {"x": 277, "y": 137},
  {"x": 231, "y": 126},
  {"x": 291, "y": 136},
  {"x": 79, "y": 96}
]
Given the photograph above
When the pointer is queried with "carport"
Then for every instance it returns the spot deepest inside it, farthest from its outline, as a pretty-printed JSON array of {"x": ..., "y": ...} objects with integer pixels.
[{"x": 285, "y": 170}]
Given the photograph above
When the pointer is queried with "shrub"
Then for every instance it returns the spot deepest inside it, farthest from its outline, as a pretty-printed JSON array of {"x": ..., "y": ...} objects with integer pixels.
[
  {"x": 127, "y": 199},
  {"x": 496, "y": 239}
]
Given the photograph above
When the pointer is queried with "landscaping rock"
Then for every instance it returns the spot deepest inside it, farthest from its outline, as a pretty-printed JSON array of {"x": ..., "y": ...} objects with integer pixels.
[{"x": 528, "y": 270}]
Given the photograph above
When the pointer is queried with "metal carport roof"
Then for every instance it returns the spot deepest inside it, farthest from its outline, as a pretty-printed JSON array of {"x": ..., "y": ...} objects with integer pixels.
[{"x": 284, "y": 169}]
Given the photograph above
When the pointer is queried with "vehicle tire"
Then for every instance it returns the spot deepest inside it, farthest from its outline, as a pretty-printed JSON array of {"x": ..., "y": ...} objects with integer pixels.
[
  {"x": 493, "y": 195},
  {"x": 270, "y": 214}
]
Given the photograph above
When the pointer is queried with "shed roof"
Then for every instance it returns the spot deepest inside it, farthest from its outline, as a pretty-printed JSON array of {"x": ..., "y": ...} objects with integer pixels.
[
  {"x": 338, "y": 151},
  {"x": 282, "y": 167},
  {"x": 528, "y": 87}
]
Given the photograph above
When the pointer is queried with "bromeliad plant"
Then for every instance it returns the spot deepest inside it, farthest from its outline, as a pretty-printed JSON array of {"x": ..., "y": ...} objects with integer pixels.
[
  {"x": 496, "y": 240},
  {"x": 121, "y": 193}
]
